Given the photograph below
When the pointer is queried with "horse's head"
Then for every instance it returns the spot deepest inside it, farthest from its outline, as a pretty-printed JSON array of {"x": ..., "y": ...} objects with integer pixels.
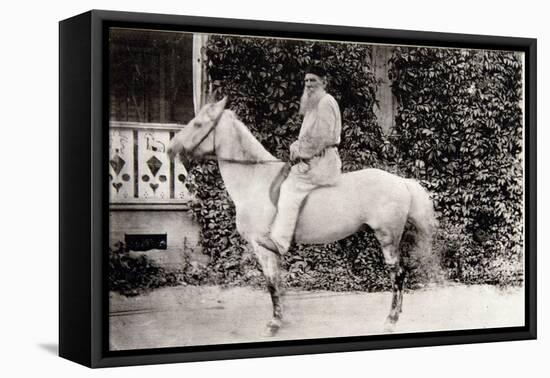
[{"x": 196, "y": 139}]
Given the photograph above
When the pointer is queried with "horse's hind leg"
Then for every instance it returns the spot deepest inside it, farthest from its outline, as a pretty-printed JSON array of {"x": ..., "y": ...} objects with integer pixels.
[
  {"x": 390, "y": 248},
  {"x": 270, "y": 262}
]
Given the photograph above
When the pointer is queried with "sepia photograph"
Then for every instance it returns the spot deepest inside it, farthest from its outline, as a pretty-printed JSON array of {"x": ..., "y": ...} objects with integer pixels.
[{"x": 264, "y": 189}]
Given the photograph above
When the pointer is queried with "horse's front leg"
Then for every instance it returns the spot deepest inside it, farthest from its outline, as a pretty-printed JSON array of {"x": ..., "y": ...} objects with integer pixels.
[{"x": 271, "y": 267}]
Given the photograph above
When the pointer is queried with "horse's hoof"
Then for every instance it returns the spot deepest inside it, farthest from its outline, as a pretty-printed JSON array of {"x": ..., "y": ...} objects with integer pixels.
[
  {"x": 389, "y": 327},
  {"x": 389, "y": 324},
  {"x": 272, "y": 328}
]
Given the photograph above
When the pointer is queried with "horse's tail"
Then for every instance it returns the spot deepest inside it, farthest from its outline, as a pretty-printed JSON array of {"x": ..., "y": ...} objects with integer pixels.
[{"x": 422, "y": 216}]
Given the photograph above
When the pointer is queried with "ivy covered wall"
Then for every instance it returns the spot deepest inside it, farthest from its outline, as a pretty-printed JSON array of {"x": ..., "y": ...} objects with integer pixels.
[{"x": 458, "y": 129}]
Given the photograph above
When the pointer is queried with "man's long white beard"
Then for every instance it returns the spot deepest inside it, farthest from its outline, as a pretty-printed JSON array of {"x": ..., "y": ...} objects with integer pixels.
[{"x": 309, "y": 101}]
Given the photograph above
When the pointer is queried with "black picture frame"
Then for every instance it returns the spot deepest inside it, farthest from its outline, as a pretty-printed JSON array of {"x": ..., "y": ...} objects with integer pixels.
[{"x": 83, "y": 233}]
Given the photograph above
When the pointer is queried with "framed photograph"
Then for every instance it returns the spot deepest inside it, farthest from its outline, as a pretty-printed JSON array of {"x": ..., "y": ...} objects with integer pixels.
[{"x": 234, "y": 188}]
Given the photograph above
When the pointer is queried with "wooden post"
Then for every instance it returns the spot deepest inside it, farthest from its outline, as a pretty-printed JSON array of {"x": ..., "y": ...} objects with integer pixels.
[
  {"x": 200, "y": 79},
  {"x": 386, "y": 109},
  {"x": 162, "y": 90}
]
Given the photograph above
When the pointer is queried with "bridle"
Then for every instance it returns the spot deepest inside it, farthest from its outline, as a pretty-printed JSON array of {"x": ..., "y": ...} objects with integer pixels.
[
  {"x": 240, "y": 161},
  {"x": 216, "y": 121}
]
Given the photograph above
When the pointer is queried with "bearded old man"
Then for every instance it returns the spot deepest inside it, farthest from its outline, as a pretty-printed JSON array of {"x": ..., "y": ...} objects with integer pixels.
[{"x": 315, "y": 155}]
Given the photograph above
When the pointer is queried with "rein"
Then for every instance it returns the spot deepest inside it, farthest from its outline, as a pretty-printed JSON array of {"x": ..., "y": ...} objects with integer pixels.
[
  {"x": 246, "y": 162},
  {"x": 239, "y": 161}
]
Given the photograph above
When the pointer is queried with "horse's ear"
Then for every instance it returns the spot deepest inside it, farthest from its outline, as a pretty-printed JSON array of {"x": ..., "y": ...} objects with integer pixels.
[
  {"x": 222, "y": 103},
  {"x": 218, "y": 108}
]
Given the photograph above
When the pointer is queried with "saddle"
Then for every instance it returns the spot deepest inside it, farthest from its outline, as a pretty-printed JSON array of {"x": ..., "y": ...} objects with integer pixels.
[{"x": 275, "y": 188}]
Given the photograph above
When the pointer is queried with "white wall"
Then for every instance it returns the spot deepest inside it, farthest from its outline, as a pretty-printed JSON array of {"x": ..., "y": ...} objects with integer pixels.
[{"x": 29, "y": 186}]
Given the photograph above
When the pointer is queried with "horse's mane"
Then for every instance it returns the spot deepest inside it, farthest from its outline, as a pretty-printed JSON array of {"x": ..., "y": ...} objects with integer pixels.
[{"x": 244, "y": 146}]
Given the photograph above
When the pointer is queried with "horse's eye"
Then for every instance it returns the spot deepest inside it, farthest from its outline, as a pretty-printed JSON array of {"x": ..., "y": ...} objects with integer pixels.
[{"x": 198, "y": 124}]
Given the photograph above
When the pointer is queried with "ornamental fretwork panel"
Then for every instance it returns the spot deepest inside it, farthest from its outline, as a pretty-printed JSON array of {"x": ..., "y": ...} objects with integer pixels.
[{"x": 140, "y": 171}]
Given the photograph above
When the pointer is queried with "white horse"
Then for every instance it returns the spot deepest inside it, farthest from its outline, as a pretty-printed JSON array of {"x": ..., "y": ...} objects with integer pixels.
[{"x": 383, "y": 201}]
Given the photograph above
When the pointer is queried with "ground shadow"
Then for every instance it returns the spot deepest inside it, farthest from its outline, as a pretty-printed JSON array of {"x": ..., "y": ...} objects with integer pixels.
[{"x": 50, "y": 347}]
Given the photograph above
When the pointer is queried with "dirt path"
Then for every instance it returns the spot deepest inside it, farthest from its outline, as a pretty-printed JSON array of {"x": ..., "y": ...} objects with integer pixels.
[{"x": 189, "y": 315}]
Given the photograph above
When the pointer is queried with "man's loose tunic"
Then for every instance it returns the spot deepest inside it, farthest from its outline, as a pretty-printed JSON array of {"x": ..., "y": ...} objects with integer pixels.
[{"x": 319, "y": 165}]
